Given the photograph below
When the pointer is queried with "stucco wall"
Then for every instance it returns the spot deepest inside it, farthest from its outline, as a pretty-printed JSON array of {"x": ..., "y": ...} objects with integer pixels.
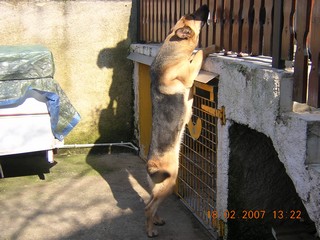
[
  {"x": 90, "y": 42},
  {"x": 259, "y": 97}
]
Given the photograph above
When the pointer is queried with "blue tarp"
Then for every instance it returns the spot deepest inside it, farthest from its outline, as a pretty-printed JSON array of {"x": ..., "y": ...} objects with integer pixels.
[{"x": 31, "y": 68}]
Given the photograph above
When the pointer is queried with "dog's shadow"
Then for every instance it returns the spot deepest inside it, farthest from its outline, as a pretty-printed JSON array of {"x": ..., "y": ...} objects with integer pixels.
[
  {"x": 122, "y": 170},
  {"x": 115, "y": 126},
  {"x": 125, "y": 175}
]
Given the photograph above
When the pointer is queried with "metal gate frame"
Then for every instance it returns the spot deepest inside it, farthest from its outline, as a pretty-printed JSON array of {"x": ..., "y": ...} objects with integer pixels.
[{"x": 197, "y": 179}]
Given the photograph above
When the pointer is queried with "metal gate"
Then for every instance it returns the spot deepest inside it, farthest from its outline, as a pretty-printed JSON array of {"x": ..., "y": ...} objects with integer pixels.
[{"x": 197, "y": 184}]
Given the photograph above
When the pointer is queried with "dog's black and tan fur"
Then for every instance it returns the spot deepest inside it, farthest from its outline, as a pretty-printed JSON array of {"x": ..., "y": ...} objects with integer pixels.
[{"x": 172, "y": 74}]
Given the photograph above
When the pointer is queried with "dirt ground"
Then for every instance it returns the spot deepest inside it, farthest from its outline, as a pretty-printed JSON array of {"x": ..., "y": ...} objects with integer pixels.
[{"x": 89, "y": 196}]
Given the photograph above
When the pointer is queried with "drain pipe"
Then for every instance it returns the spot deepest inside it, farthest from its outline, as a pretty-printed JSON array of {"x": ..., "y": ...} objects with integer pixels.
[{"x": 90, "y": 145}]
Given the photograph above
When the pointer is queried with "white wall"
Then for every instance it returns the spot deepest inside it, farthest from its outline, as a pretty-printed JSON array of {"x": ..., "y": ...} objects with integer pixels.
[{"x": 260, "y": 97}]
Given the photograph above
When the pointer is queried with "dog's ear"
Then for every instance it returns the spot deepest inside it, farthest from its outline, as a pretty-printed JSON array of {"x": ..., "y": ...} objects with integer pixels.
[{"x": 184, "y": 32}]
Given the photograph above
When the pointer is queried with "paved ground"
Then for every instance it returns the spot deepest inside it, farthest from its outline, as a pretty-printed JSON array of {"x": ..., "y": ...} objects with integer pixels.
[{"x": 95, "y": 196}]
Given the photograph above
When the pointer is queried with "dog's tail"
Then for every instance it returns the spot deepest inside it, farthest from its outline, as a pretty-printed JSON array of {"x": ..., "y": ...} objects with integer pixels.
[{"x": 156, "y": 173}]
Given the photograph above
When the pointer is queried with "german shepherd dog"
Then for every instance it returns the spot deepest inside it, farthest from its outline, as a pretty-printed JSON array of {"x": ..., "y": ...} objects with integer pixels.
[{"x": 172, "y": 75}]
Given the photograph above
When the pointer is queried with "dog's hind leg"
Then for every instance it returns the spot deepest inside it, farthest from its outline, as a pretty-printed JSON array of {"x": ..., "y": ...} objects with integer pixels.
[
  {"x": 151, "y": 212},
  {"x": 159, "y": 193},
  {"x": 157, "y": 220}
]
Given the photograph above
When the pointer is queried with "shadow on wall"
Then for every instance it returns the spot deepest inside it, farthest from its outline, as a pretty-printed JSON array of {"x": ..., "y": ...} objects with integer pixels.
[{"x": 116, "y": 121}]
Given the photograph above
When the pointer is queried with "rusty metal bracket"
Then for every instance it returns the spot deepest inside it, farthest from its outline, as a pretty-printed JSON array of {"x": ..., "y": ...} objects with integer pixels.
[{"x": 219, "y": 113}]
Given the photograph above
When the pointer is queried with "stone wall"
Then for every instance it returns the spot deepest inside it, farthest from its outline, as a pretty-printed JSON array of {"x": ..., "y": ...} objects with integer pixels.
[{"x": 90, "y": 42}]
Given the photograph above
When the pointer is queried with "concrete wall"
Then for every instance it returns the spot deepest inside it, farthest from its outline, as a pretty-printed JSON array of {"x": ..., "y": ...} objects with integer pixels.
[
  {"x": 90, "y": 42},
  {"x": 260, "y": 97}
]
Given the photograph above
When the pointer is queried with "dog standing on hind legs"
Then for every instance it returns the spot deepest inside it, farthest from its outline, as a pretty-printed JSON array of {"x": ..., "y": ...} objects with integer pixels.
[{"x": 172, "y": 75}]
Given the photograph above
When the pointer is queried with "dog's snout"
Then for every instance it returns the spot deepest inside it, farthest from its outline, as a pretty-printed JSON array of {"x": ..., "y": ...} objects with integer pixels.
[{"x": 202, "y": 13}]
